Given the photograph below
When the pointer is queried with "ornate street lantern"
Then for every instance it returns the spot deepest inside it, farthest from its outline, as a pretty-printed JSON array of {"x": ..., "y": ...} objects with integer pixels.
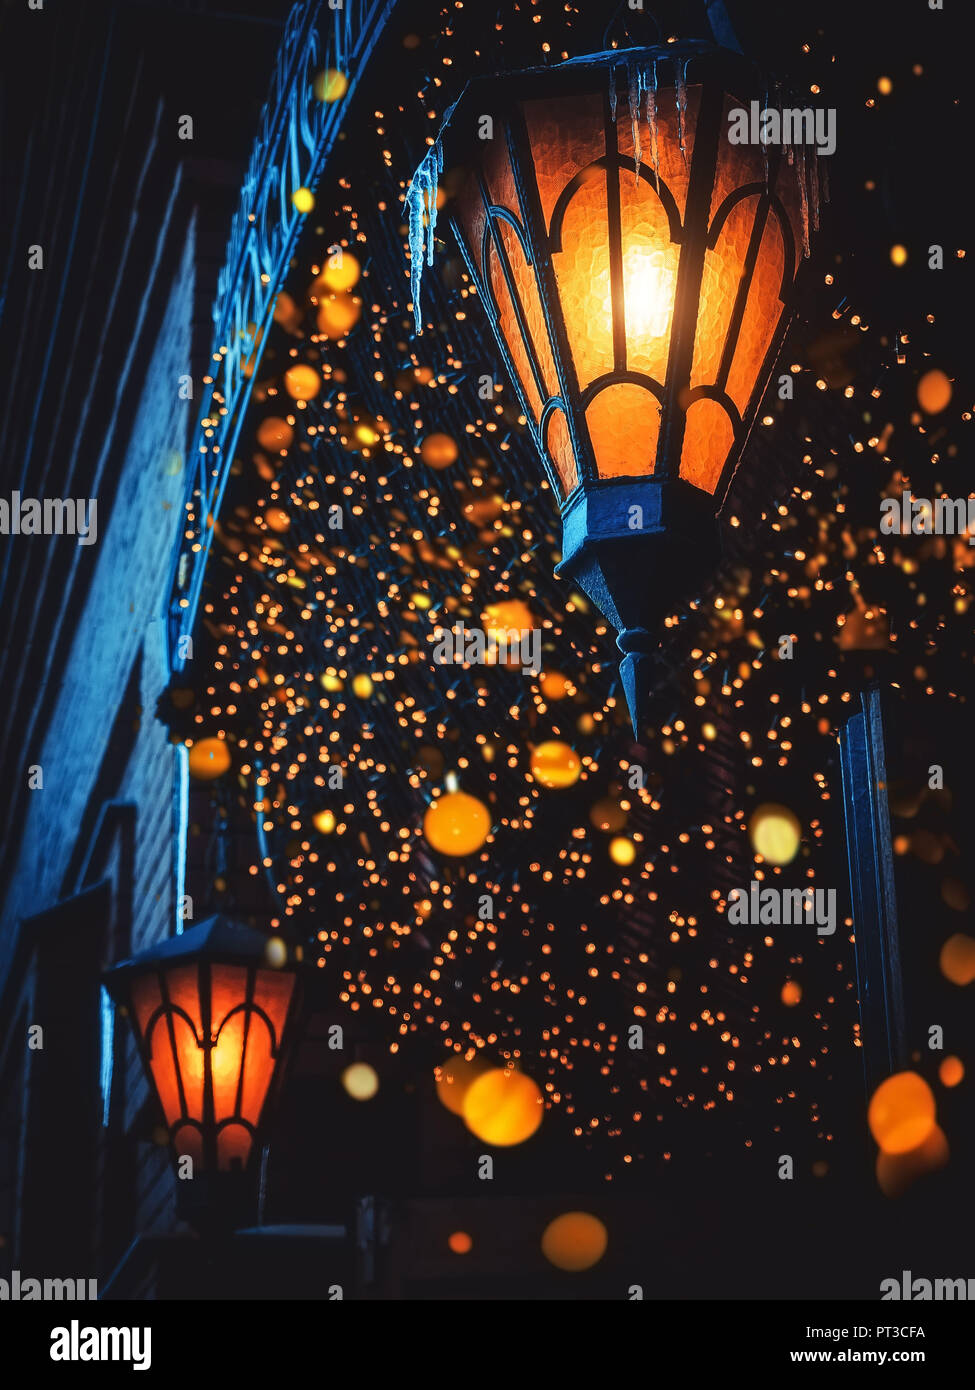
[
  {"x": 210, "y": 1016},
  {"x": 637, "y": 269}
]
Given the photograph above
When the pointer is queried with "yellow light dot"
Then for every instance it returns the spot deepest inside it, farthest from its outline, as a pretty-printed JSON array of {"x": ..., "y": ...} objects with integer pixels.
[
  {"x": 330, "y": 85},
  {"x": 303, "y": 199},
  {"x": 456, "y": 824},
  {"x": 884, "y": 86},
  {"x": 361, "y": 1081},
  {"x": 324, "y": 822},
  {"x": 275, "y": 952},
  {"x": 898, "y": 254},
  {"x": 775, "y": 833},
  {"x": 554, "y": 686},
  {"x": 622, "y": 851},
  {"x": 362, "y": 686}
]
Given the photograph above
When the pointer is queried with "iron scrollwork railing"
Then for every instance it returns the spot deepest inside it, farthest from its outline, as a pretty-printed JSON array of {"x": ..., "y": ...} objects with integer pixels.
[{"x": 296, "y": 135}]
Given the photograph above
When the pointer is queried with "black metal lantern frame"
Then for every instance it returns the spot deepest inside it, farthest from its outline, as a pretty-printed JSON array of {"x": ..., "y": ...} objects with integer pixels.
[{"x": 630, "y": 572}]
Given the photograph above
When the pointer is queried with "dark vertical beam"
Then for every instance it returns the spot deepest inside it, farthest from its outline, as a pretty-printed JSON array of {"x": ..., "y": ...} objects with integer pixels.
[{"x": 872, "y": 890}]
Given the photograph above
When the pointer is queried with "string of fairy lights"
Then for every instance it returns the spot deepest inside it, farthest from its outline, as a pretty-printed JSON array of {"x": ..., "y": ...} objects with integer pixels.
[{"x": 463, "y": 846}]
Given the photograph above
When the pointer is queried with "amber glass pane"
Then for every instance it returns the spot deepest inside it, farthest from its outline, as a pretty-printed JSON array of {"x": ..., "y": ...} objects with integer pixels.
[
  {"x": 233, "y": 1146},
  {"x": 498, "y": 174},
  {"x": 566, "y": 135},
  {"x": 531, "y": 305},
  {"x": 560, "y": 453},
  {"x": 624, "y": 421},
  {"x": 183, "y": 987},
  {"x": 762, "y": 313},
  {"x": 145, "y": 1000},
  {"x": 582, "y": 271},
  {"x": 190, "y": 1055},
  {"x": 258, "y": 1069},
  {"x": 708, "y": 439},
  {"x": 469, "y": 211},
  {"x": 511, "y": 333},
  {"x": 649, "y": 277},
  {"x": 272, "y": 993},
  {"x": 225, "y": 1059},
  {"x": 228, "y": 988},
  {"x": 163, "y": 1065},
  {"x": 737, "y": 165},
  {"x": 723, "y": 267}
]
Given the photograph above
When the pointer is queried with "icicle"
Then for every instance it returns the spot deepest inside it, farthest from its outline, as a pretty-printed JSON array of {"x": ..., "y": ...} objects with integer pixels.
[
  {"x": 814, "y": 188},
  {"x": 612, "y": 92},
  {"x": 803, "y": 199},
  {"x": 763, "y": 131},
  {"x": 652, "y": 123},
  {"x": 634, "y": 74},
  {"x": 681, "y": 86},
  {"x": 421, "y": 200}
]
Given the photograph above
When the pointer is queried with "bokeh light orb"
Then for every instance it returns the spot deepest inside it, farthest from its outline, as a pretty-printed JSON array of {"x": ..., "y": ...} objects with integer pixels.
[
  {"x": 330, "y": 85},
  {"x": 439, "y": 451},
  {"x": 607, "y": 814},
  {"x": 791, "y": 993},
  {"x": 775, "y": 833},
  {"x": 460, "y": 1242},
  {"x": 901, "y": 1114},
  {"x": 934, "y": 392},
  {"x": 622, "y": 851},
  {"x": 361, "y": 1081},
  {"x": 338, "y": 314},
  {"x": 324, "y": 822},
  {"x": 303, "y": 199},
  {"x": 554, "y": 686},
  {"x": 275, "y": 434},
  {"x": 555, "y": 764},
  {"x": 575, "y": 1241},
  {"x": 302, "y": 382},
  {"x": 456, "y": 824},
  {"x": 957, "y": 959},
  {"x": 503, "y": 1107},
  {"x": 951, "y": 1072},
  {"x": 209, "y": 758},
  {"x": 341, "y": 271},
  {"x": 275, "y": 952},
  {"x": 896, "y": 1172},
  {"x": 454, "y": 1079}
]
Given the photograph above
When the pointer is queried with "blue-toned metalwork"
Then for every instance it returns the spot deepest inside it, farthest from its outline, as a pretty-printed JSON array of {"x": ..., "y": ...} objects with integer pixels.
[
  {"x": 872, "y": 890},
  {"x": 297, "y": 132}
]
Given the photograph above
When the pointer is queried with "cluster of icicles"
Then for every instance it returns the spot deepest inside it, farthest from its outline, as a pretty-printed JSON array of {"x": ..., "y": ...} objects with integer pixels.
[{"x": 642, "y": 90}]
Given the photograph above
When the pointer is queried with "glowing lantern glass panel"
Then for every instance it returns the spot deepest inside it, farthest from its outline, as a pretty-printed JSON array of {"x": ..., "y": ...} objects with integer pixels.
[
  {"x": 209, "y": 1016},
  {"x": 637, "y": 269}
]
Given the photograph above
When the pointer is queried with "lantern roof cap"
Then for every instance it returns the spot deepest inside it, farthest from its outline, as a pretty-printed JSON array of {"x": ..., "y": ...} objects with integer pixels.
[{"x": 218, "y": 938}]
